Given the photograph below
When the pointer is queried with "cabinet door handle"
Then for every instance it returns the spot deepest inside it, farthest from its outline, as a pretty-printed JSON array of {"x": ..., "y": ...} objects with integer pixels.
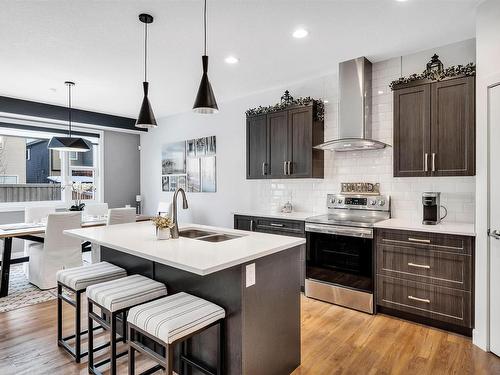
[
  {"x": 419, "y": 299},
  {"x": 284, "y": 168},
  {"x": 276, "y": 225},
  {"x": 264, "y": 168},
  {"x": 289, "y": 168},
  {"x": 419, "y": 265},
  {"x": 418, "y": 240},
  {"x": 251, "y": 225},
  {"x": 434, "y": 162},
  {"x": 426, "y": 157}
]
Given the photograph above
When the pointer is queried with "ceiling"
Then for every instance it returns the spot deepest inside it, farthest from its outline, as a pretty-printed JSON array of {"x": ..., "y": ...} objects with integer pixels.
[{"x": 99, "y": 45}]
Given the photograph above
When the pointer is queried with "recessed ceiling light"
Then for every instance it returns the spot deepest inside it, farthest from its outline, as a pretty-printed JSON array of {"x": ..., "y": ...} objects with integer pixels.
[
  {"x": 325, "y": 101},
  {"x": 300, "y": 33},
  {"x": 380, "y": 92},
  {"x": 401, "y": 1},
  {"x": 231, "y": 60}
]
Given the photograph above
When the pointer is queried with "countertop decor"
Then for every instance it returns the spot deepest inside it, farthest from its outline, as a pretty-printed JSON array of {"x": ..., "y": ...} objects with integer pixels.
[{"x": 163, "y": 225}]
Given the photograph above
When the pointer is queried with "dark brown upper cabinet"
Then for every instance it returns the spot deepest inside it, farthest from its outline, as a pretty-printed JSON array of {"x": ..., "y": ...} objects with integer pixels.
[
  {"x": 257, "y": 146},
  {"x": 280, "y": 144},
  {"x": 434, "y": 128}
]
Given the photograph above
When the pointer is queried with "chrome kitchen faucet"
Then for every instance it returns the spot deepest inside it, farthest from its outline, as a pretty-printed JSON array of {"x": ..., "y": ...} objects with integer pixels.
[{"x": 175, "y": 229}]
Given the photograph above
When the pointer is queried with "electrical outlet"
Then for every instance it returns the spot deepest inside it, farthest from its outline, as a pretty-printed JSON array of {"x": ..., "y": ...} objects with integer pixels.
[{"x": 250, "y": 275}]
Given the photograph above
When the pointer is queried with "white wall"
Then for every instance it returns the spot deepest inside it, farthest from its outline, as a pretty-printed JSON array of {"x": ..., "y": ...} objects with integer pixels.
[
  {"x": 488, "y": 55},
  {"x": 121, "y": 168},
  {"x": 235, "y": 192}
]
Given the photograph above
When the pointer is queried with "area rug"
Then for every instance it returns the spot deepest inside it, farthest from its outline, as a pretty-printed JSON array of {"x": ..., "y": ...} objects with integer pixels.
[{"x": 22, "y": 293}]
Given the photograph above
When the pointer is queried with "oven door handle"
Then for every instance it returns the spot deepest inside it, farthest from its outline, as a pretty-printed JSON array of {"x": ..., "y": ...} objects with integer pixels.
[{"x": 339, "y": 230}]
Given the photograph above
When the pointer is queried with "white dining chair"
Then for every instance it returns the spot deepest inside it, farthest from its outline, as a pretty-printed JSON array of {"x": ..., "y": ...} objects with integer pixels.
[
  {"x": 34, "y": 215},
  {"x": 115, "y": 216},
  {"x": 121, "y": 215},
  {"x": 95, "y": 209},
  {"x": 58, "y": 251}
]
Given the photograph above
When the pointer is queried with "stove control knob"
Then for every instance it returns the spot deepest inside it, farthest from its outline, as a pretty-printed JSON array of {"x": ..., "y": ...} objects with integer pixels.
[
  {"x": 339, "y": 201},
  {"x": 381, "y": 202},
  {"x": 332, "y": 201},
  {"x": 373, "y": 202}
]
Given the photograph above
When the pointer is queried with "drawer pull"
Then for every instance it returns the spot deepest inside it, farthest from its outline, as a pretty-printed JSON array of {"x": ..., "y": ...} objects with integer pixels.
[
  {"x": 276, "y": 225},
  {"x": 419, "y": 265},
  {"x": 419, "y": 299},
  {"x": 418, "y": 240}
]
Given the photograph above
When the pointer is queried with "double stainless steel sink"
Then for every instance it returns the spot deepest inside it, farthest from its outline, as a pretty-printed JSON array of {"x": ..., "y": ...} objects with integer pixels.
[{"x": 202, "y": 235}]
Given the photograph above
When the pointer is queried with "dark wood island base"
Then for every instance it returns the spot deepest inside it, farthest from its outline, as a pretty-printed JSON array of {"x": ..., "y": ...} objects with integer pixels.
[{"x": 263, "y": 320}]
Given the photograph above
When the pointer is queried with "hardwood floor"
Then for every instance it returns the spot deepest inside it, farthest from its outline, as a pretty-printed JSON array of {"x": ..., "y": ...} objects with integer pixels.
[{"x": 334, "y": 341}]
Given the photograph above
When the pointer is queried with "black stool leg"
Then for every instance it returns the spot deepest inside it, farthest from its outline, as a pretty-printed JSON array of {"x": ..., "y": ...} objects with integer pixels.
[
  {"x": 90, "y": 338},
  {"x": 78, "y": 327},
  {"x": 220, "y": 348},
  {"x": 170, "y": 360},
  {"x": 112, "y": 369},
  {"x": 59, "y": 314},
  {"x": 131, "y": 354},
  {"x": 182, "y": 352}
]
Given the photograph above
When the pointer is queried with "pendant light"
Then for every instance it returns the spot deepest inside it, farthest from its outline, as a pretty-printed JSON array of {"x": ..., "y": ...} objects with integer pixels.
[
  {"x": 69, "y": 143},
  {"x": 205, "y": 99},
  {"x": 146, "y": 118}
]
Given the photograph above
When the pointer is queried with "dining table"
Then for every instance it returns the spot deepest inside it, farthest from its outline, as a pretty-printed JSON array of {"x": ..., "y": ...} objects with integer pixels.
[{"x": 33, "y": 232}]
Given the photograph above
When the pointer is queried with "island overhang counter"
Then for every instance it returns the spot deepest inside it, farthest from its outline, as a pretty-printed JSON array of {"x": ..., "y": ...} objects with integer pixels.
[{"x": 255, "y": 277}]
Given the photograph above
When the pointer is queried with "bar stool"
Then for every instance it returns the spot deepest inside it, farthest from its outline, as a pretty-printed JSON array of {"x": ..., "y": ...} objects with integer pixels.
[
  {"x": 77, "y": 280},
  {"x": 169, "y": 321},
  {"x": 115, "y": 298}
]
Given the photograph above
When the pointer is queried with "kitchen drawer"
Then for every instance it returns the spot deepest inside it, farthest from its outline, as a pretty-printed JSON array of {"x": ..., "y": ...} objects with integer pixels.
[
  {"x": 442, "y": 304},
  {"x": 277, "y": 226},
  {"x": 434, "y": 241},
  {"x": 425, "y": 266}
]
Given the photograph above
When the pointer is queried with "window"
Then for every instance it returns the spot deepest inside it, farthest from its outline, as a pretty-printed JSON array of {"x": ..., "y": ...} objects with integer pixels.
[{"x": 30, "y": 172}]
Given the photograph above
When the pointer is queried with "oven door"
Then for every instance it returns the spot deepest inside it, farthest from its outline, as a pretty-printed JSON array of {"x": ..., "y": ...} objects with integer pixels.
[{"x": 339, "y": 255}]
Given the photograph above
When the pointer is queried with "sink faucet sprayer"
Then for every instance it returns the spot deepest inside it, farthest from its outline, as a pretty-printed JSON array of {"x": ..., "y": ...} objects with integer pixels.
[{"x": 175, "y": 229}]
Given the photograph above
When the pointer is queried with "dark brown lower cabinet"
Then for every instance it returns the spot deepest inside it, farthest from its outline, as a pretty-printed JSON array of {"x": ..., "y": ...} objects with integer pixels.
[
  {"x": 426, "y": 277},
  {"x": 294, "y": 228}
]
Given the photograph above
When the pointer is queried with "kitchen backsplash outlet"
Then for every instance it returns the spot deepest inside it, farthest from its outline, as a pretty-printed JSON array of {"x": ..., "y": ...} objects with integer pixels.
[{"x": 370, "y": 166}]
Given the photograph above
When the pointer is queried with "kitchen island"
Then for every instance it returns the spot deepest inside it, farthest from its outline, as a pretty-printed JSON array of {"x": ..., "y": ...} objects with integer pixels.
[{"x": 255, "y": 277}]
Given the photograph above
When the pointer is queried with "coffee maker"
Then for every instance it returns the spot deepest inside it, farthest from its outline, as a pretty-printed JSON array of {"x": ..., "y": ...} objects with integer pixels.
[{"x": 431, "y": 202}]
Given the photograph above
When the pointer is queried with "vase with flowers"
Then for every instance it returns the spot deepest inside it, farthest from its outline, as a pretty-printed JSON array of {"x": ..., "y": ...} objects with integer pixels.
[{"x": 163, "y": 225}]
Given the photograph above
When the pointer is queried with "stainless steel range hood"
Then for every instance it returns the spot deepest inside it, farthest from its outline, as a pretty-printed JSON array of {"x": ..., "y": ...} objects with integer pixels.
[{"x": 355, "y": 108}]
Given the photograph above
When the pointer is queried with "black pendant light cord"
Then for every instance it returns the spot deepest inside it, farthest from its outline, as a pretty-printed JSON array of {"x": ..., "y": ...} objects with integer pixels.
[
  {"x": 145, "y": 52},
  {"x": 205, "y": 26},
  {"x": 69, "y": 107}
]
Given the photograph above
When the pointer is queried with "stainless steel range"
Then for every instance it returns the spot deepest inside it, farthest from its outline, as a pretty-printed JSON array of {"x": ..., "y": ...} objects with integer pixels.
[{"x": 340, "y": 251}]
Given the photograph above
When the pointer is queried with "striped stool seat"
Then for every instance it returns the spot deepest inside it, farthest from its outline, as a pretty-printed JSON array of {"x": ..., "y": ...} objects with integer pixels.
[
  {"x": 114, "y": 299},
  {"x": 172, "y": 321},
  {"x": 126, "y": 292},
  {"x": 79, "y": 278},
  {"x": 174, "y": 317}
]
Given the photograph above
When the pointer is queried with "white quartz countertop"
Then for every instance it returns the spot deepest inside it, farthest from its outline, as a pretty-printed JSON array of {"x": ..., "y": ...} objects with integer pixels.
[
  {"x": 294, "y": 215},
  {"x": 444, "y": 227},
  {"x": 192, "y": 255}
]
